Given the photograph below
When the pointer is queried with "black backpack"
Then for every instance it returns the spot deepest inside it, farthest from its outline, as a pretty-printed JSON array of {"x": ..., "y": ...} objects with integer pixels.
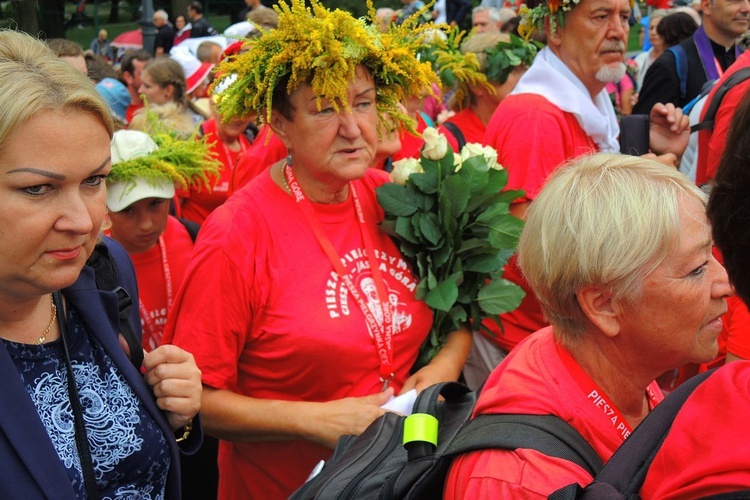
[
  {"x": 378, "y": 465},
  {"x": 626, "y": 470}
]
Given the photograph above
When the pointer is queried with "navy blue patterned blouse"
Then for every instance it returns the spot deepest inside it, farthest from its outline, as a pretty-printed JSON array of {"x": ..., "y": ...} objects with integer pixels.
[{"x": 129, "y": 452}]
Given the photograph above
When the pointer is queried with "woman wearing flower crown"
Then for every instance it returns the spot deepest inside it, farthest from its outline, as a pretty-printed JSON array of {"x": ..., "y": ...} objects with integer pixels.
[
  {"x": 290, "y": 299},
  {"x": 488, "y": 74},
  {"x": 78, "y": 419}
]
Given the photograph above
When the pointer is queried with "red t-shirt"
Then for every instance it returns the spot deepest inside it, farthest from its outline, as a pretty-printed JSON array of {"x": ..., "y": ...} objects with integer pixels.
[
  {"x": 737, "y": 324},
  {"x": 152, "y": 282},
  {"x": 259, "y": 157},
  {"x": 534, "y": 380},
  {"x": 265, "y": 315},
  {"x": 470, "y": 126},
  {"x": 532, "y": 137},
  {"x": 198, "y": 203},
  {"x": 131, "y": 110},
  {"x": 707, "y": 450},
  {"x": 711, "y": 143}
]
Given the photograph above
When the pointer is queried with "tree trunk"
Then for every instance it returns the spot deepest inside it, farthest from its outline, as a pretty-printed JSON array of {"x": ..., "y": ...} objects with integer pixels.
[
  {"x": 25, "y": 14},
  {"x": 52, "y": 18},
  {"x": 114, "y": 12}
]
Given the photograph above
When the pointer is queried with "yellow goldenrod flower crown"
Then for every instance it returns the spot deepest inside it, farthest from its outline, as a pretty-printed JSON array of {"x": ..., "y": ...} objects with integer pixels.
[
  {"x": 532, "y": 19},
  {"x": 456, "y": 69},
  {"x": 323, "y": 48},
  {"x": 461, "y": 68},
  {"x": 185, "y": 163}
]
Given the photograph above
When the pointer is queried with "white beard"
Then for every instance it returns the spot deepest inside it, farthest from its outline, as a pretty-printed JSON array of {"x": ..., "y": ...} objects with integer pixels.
[{"x": 611, "y": 72}]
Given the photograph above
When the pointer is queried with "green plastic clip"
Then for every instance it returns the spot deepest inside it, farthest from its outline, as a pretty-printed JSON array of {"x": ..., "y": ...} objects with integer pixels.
[{"x": 421, "y": 427}]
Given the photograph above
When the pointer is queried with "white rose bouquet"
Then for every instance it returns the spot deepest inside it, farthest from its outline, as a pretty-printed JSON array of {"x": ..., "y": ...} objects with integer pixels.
[{"x": 451, "y": 217}]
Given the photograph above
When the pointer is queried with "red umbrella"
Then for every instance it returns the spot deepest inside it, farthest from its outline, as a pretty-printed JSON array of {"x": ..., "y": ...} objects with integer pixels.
[{"x": 129, "y": 40}]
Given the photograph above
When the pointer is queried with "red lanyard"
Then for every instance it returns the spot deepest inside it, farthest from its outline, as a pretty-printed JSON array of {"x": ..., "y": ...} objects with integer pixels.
[
  {"x": 155, "y": 335},
  {"x": 379, "y": 317},
  {"x": 597, "y": 397}
]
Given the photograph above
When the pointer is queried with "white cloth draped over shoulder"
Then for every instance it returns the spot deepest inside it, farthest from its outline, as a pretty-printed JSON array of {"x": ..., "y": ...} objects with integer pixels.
[{"x": 549, "y": 77}]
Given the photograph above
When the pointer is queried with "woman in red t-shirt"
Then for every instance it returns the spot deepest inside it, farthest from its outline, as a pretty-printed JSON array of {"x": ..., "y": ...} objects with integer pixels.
[
  {"x": 300, "y": 311},
  {"x": 474, "y": 102}
]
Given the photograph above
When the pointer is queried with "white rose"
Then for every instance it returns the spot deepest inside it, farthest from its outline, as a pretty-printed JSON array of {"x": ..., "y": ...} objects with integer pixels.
[
  {"x": 435, "y": 144},
  {"x": 402, "y": 169},
  {"x": 475, "y": 149},
  {"x": 457, "y": 162}
]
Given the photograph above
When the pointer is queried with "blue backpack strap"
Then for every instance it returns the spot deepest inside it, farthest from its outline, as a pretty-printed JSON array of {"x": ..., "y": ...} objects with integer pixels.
[{"x": 680, "y": 60}]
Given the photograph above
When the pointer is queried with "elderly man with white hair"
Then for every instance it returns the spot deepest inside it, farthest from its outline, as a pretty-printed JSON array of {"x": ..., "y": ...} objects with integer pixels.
[{"x": 164, "y": 33}]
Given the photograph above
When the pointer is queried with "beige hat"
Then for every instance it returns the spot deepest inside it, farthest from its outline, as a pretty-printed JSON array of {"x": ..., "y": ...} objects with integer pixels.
[{"x": 128, "y": 144}]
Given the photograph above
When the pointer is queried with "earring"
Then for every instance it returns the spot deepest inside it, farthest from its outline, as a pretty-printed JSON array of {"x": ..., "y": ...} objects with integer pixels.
[{"x": 289, "y": 158}]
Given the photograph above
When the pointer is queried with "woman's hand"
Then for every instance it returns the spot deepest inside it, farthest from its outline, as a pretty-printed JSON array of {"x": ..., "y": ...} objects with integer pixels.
[
  {"x": 176, "y": 381},
  {"x": 348, "y": 416},
  {"x": 446, "y": 366}
]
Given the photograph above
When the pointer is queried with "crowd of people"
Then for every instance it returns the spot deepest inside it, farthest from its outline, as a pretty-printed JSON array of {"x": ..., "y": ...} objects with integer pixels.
[{"x": 227, "y": 186}]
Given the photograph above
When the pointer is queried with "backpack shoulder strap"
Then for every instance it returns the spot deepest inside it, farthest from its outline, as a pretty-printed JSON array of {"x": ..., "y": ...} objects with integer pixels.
[
  {"x": 111, "y": 263},
  {"x": 626, "y": 469},
  {"x": 713, "y": 106},
  {"x": 191, "y": 227},
  {"x": 548, "y": 434},
  {"x": 680, "y": 60},
  {"x": 456, "y": 133}
]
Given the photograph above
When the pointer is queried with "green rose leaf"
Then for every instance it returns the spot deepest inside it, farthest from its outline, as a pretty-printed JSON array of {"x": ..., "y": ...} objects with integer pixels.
[
  {"x": 429, "y": 226},
  {"x": 396, "y": 199},
  {"x": 426, "y": 182},
  {"x": 475, "y": 179},
  {"x": 477, "y": 163},
  {"x": 483, "y": 264},
  {"x": 458, "y": 192},
  {"x": 500, "y": 296},
  {"x": 443, "y": 296},
  {"x": 505, "y": 231},
  {"x": 497, "y": 180},
  {"x": 511, "y": 194},
  {"x": 424, "y": 202},
  {"x": 404, "y": 229},
  {"x": 441, "y": 255}
]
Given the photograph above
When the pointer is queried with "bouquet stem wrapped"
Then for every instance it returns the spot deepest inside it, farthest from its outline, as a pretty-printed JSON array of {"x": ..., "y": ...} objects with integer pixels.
[{"x": 452, "y": 219}]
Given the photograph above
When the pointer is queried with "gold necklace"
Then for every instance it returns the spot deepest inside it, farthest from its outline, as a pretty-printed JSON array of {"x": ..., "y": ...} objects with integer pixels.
[
  {"x": 283, "y": 177},
  {"x": 51, "y": 322}
]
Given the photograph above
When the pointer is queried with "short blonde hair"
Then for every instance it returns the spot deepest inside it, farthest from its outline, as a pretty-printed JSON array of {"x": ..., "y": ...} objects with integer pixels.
[
  {"x": 33, "y": 80},
  {"x": 605, "y": 220}
]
